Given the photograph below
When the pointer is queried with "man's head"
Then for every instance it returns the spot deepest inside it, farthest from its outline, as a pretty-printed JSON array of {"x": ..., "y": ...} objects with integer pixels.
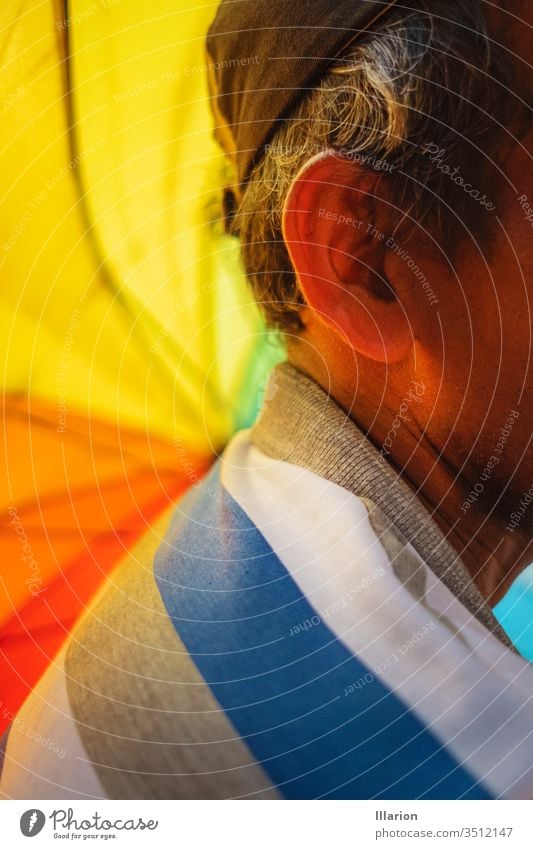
[{"x": 386, "y": 229}]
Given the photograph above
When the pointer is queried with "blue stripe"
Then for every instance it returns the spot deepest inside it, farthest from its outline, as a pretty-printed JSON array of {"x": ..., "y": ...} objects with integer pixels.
[{"x": 234, "y": 604}]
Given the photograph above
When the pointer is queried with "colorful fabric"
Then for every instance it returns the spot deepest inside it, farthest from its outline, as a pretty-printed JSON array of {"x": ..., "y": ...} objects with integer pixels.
[
  {"x": 278, "y": 635},
  {"x": 132, "y": 346}
]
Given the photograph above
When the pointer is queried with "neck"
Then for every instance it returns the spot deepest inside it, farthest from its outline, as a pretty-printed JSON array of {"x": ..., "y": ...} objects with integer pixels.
[{"x": 493, "y": 555}]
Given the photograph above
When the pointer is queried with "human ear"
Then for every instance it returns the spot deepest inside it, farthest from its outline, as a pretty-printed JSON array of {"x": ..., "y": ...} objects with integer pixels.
[{"x": 339, "y": 255}]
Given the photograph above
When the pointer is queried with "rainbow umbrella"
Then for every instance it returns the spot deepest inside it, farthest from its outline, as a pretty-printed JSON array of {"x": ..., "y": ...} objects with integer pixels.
[{"x": 133, "y": 349}]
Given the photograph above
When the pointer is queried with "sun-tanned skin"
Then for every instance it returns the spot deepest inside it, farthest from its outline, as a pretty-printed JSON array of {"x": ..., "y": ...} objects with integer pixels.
[{"x": 371, "y": 334}]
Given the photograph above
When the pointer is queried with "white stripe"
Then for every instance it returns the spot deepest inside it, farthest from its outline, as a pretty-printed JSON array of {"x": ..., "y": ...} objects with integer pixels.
[
  {"x": 44, "y": 737},
  {"x": 474, "y": 694}
]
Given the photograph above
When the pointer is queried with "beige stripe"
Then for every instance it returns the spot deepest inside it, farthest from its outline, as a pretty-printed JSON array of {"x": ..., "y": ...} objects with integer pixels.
[{"x": 147, "y": 719}]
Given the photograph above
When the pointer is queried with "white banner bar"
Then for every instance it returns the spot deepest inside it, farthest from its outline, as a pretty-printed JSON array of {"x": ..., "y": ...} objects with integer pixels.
[{"x": 262, "y": 825}]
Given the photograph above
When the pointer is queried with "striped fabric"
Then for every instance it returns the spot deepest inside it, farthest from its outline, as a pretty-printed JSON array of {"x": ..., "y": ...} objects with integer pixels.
[{"x": 279, "y": 635}]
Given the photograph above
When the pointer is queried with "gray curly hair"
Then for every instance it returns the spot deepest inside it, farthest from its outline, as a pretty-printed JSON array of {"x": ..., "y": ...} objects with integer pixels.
[{"x": 425, "y": 79}]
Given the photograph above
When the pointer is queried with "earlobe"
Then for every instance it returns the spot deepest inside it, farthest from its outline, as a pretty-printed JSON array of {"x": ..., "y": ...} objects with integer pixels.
[{"x": 339, "y": 256}]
